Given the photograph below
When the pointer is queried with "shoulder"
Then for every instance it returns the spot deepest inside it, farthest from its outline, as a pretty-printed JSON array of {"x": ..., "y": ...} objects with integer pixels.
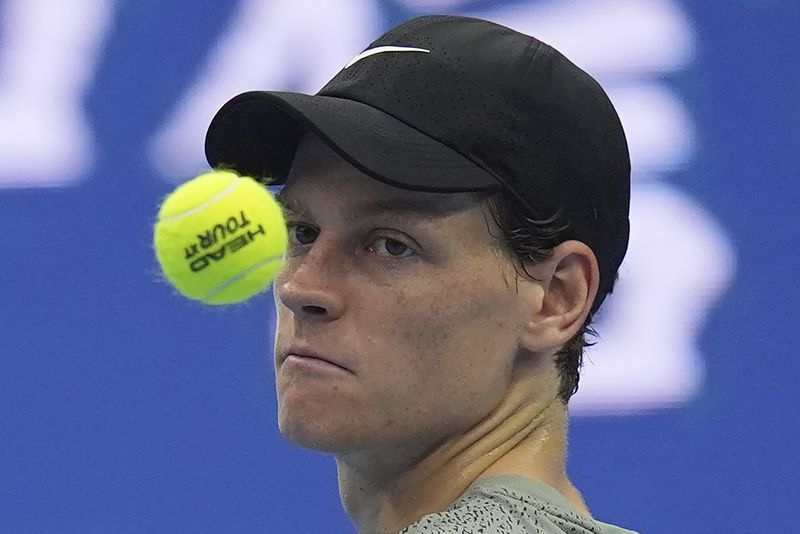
[
  {"x": 508, "y": 509},
  {"x": 487, "y": 516},
  {"x": 473, "y": 515}
]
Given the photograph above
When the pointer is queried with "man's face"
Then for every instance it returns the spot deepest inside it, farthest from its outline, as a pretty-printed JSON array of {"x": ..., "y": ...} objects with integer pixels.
[{"x": 418, "y": 310}]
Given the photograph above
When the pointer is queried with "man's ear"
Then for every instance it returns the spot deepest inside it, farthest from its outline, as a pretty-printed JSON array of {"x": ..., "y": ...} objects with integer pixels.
[{"x": 569, "y": 280}]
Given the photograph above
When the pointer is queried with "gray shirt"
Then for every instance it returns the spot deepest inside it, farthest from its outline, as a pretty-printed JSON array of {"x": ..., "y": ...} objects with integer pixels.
[{"x": 510, "y": 504}]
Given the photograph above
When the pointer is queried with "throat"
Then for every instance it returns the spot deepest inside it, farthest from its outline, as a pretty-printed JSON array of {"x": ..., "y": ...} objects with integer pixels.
[{"x": 386, "y": 491}]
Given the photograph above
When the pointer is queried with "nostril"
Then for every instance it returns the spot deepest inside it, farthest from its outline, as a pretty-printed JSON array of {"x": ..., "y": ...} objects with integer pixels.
[{"x": 314, "y": 310}]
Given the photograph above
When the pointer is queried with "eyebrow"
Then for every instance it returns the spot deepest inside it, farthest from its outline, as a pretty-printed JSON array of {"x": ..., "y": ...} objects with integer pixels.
[{"x": 428, "y": 208}]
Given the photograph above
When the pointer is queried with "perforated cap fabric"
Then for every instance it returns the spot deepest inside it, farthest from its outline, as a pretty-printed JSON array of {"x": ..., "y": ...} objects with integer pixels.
[{"x": 449, "y": 104}]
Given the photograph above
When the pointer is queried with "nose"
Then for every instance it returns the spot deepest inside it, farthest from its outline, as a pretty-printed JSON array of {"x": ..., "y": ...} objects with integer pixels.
[{"x": 310, "y": 286}]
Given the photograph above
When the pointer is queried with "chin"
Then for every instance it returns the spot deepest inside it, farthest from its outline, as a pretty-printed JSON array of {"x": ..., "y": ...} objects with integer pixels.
[
  {"x": 314, "y": 434},
  {"x": 311, "y": 441},
  {"x": 322, "y": 422}
]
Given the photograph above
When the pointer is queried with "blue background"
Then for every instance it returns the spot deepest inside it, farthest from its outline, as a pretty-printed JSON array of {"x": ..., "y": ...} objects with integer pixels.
[{"x": 126, "y": 409}]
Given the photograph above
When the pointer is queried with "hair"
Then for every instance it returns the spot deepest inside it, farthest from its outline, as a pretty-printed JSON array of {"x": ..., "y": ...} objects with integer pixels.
[{"x": 530, "y": 241}]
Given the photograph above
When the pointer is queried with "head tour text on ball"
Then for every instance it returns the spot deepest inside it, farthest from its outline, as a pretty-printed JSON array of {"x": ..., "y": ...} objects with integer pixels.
[{"x": 222, "y": 239}]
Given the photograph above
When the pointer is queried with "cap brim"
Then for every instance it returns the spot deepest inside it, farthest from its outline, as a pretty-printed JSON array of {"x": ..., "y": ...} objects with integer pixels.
[{"x": 257, "y": 133}]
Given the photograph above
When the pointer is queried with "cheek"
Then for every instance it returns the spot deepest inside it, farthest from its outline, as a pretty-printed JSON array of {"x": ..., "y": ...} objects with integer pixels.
[
  {"x": 448, "y": 354},
  {"x": 456, "y": 329}
]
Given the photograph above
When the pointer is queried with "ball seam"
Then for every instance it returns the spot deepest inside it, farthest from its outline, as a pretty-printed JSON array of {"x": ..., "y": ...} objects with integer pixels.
[
  {"x": 203, "y": 205},
  {"x": 232, "y": 280}
]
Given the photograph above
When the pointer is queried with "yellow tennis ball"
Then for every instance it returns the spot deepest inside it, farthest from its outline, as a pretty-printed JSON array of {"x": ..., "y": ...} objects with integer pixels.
[{"x": 220, "y": 237}]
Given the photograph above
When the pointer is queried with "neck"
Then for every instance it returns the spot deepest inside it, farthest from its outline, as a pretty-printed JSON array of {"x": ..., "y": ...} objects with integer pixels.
[{"x": 384, "y": 491}]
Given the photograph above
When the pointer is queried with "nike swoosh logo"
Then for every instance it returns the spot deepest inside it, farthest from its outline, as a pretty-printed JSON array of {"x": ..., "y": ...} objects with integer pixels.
[{"x": 381, "y": 50}]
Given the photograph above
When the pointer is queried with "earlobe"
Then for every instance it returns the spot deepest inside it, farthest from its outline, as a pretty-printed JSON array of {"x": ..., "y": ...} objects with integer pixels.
[{"x": 569, "y": 281}]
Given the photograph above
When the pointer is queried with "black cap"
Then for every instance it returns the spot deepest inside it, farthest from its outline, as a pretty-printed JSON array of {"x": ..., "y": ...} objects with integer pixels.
[{"x": 455, "y": 104}]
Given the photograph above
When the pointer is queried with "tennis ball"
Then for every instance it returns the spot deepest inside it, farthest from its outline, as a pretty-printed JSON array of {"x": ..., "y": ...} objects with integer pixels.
[{"x": 220, "y": 237}]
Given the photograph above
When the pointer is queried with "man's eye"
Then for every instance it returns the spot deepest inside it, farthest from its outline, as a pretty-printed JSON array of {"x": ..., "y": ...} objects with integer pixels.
[
  {"x": 301, "y": 234},
  {"x": 392, "y": 248}
]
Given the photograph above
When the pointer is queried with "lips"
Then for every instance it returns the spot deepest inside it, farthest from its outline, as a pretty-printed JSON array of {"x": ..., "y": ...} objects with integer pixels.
[{"x": 302, "y": 352}]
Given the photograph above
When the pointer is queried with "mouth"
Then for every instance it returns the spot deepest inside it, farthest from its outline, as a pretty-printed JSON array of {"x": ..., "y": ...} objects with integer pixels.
[{"x": 303, "y": 356}]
